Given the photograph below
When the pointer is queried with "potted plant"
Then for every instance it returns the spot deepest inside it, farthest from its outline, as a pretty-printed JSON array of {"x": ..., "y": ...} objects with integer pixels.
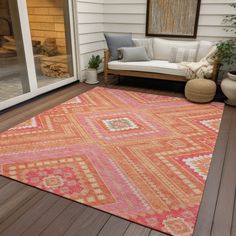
[
  {"x": 227, "y": 56},
  {"x": 91, "y": 72}
]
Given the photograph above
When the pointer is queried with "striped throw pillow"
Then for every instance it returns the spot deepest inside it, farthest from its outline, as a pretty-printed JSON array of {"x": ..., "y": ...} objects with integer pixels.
[{"x": 178, "y": 55}]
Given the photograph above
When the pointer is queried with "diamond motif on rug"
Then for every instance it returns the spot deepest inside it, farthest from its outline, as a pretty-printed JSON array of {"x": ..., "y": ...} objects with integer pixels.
[
  {"x": 69, "y": 177},
  {"x": 200, "y": 164},
  {"x": 177, "y": 226},
  {"x": 52, "y": 181},
  {"x": 112, "y": 126},
  {"x": 139, "y": 156},
  {"x": 29, "y": 124},
  {"x": 119, "y": 124},
  {"x": 213, "y": 124}
]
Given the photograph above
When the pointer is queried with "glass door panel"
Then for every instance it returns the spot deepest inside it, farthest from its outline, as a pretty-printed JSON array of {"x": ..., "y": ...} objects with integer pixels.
[
  {"x": 51, "y": 40},
  {"x": 13, "y": 71},
  {"x": 37, "y": 48}
]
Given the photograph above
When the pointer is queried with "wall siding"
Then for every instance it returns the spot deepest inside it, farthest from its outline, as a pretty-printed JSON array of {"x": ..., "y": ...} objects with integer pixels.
[
  {"x": 129, "y": 16},
  {"x": 125, "y": 16},
  {"x": 91, "y": 28}
]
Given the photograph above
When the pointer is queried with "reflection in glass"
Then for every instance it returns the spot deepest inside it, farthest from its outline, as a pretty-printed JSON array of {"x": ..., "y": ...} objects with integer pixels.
[
  {"x": 50, "y": 32},
  {"x": 13, "y": 72}
]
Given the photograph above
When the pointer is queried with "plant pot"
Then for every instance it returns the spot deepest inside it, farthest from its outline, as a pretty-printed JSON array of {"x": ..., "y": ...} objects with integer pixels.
[
  {"x": 91, "y": 76},
  {"x": 232, "y": 75},
  {"x": 228, "y": 86}
]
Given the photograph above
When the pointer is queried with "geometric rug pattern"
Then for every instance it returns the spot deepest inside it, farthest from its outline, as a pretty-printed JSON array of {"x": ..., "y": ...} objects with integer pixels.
[{"x": 139, "y": 156}]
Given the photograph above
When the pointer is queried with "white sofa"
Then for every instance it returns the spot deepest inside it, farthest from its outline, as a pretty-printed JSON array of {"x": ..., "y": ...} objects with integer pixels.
[{"x": 158, "y": 67}]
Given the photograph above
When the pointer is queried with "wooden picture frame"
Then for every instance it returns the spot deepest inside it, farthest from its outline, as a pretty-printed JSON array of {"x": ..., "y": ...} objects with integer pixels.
[{"x": 168, "y": 18}]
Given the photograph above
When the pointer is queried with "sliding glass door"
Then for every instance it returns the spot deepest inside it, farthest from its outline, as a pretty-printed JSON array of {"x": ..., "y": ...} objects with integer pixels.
[{"x": 37, "y": 48}]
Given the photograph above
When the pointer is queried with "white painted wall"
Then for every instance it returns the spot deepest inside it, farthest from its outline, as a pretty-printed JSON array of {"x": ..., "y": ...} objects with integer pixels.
[
  {"x": 91, "y": 28},
  {"x": 125, "y": 16},
  {"x": 129, "y": 16}
]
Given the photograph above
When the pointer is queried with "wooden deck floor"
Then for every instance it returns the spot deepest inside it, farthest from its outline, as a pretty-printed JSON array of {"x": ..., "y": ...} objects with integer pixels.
[{"x": 25, "y": 210}]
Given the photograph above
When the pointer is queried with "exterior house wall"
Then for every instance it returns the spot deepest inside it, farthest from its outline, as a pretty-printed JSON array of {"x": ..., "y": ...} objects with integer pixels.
[
  {"x": 91, "y": 28},
  {"x": 129, "y": 16}
]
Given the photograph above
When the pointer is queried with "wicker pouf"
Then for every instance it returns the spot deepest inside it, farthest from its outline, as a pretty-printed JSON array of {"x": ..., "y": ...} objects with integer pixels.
[{"x": 200, "y": 90}]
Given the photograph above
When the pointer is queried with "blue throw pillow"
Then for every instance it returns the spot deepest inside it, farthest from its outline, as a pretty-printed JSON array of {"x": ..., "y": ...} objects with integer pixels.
[{"x": 117, "y": 41}]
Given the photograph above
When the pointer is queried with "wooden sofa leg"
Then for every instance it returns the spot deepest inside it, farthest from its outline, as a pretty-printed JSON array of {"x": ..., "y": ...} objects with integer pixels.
[
  {"x": 119, "y": 79},
  {"x": 106, "y": 61},
  {"x": 106, "y": 78}
]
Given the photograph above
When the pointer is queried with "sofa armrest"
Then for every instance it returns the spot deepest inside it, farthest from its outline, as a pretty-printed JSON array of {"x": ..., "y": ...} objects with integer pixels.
[
  {"x": 106, "y": 56},
  {"x": 106, "y": 61}
]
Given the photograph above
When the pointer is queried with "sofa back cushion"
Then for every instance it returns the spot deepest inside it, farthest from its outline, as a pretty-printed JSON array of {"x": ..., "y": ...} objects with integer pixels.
[
  {"x": 162, "y": 47},
  {"x": 178, "y": 55},
  {"x": 147, "y": 44},
  {"x": 117, "y": 41},
  {"x": 204, "y": 48}
]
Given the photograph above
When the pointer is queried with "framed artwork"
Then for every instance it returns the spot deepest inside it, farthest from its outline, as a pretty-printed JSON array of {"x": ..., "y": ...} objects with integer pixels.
[{"x": 172, "y": 18}]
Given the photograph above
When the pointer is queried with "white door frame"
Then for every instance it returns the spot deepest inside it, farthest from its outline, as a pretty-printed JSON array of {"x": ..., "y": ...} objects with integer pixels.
[
  {"x": 27, "y": 43},
  {"x": 29, "y": 57}
]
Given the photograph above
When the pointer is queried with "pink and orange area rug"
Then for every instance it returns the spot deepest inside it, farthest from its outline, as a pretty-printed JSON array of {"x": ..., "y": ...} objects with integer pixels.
[{"x": 139, "y": 156}]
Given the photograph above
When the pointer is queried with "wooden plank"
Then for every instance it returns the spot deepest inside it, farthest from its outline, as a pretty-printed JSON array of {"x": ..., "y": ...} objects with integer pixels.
[
  {"x": 47, "y": 218},
  {"x": 64, "y": 220},
  {"x": 116, "y": 223},
  {"x": 31, "y": 216},
  {"x": 17, "y": 200},
  {"x": 60, "y": 58},
  {"x": 88, "y": 223},
  {"x": 147, "y": 75},
  {"x": 3, "y": 181},
  {"x": 207, "y": 208},
  {"x": 225, "y": 204},
  {"x": 137, "y": 230},
  {"x": 9, "y": 190},
  {"x": 28, "y": 109},
  {"x": 233, "y": 230},
  {"x": 156, "y": 233},
  {"x": 21, "y": 211},
  {"x": 37, "y": 105}
]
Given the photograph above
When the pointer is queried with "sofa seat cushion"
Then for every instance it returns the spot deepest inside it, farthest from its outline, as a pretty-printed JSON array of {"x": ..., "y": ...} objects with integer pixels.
[{"x": 154, "y": 66}]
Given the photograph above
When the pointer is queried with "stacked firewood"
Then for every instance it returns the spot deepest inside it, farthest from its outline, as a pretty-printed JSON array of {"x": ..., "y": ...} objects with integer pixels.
[
  {"x": 55, "y": 67},
  {"x": 48, "y": 48},
  {"x": 9, "y": 43},
  {"x": 51, "y": 64},
  {"x": 7, "y": 47}
]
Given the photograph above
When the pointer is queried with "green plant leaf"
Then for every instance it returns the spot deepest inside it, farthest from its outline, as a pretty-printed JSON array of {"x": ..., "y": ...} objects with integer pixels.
[{"x": 94, "y": 62}]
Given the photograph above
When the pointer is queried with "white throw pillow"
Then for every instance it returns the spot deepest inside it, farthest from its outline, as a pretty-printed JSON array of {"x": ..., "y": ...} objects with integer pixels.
[
  {"x": 147, "y": 44},
  {"x": 178, "y": 55},
  {"x": 204, "y": 48},
  {"x": 162, "y": 47}
]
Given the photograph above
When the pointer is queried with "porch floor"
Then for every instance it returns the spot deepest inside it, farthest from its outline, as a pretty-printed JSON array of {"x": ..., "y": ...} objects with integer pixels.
[{"x": 25, "y": 210}]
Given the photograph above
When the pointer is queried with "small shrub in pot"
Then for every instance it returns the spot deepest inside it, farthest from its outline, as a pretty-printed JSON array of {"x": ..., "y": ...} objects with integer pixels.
[{"x": 91, "y": 72}]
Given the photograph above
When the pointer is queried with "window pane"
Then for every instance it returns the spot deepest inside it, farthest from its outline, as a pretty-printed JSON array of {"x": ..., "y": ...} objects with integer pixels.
[
  {"x": 50, "y": 31},
  {"x": 13, "y": 72}
]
